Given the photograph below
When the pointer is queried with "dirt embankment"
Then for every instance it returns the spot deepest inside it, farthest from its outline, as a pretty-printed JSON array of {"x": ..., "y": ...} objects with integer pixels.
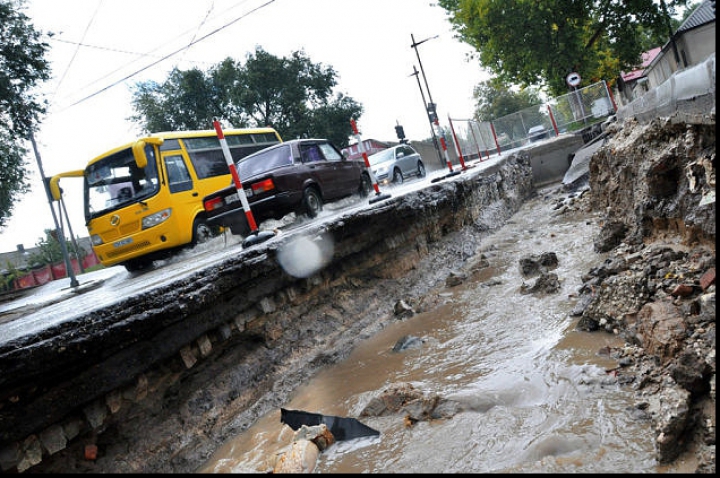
[{"x": 655, "y": 183}]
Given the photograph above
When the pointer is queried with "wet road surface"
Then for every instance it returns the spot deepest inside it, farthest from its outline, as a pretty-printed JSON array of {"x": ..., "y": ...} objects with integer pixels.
[{"x": 539, "y": 395}]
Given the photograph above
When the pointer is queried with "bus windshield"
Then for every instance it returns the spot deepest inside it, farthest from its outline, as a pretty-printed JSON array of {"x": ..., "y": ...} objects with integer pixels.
[{"x": 115, "y": 181}]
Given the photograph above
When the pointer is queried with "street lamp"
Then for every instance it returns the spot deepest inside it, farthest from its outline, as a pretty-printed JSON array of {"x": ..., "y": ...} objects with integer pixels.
[{"x": 431, "y": 106}]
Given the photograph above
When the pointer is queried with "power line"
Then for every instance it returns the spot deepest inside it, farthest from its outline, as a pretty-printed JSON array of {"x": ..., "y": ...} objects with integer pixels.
[
  {"x": 105, "y": 48},
  {"x": 138, "y": 55},
  {"x": 201, "y": 25},
  {"x": 76, "y": 50},
  {"x": 115, "y": 50},
  {"x": 165, "y": 57}
]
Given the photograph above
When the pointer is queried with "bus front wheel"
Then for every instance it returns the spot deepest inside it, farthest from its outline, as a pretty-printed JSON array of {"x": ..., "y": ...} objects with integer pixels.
[
  {"x": 202, "y": 232},
  {"x": 134, "y": 265}
]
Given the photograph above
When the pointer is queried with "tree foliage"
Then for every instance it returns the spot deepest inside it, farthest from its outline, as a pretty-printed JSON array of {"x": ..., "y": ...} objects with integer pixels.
[
  {"x": 22, "y": 67},
  {"x": 495, "y": 99},
  {"x": 293, "y": 95},
  {"x": 531, "y": 42},
  {"x": 49, "y": 250}
]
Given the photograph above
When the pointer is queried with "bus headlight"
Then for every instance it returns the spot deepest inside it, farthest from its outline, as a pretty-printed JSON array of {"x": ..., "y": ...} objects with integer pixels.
[
  {"x": 157, "y": 218},
  {"x": 96, "y": 240}
]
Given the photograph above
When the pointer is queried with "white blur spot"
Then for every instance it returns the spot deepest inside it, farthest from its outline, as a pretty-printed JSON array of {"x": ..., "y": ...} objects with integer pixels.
[{"x": 303, "y": 256}]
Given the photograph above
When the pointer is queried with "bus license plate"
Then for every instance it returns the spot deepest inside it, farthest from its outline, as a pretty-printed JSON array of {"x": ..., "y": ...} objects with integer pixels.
[{"x": 123, "y": 242}]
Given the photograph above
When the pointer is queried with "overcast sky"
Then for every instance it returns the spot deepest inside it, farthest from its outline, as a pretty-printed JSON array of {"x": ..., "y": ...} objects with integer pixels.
[{"x": 102, "y": 48}]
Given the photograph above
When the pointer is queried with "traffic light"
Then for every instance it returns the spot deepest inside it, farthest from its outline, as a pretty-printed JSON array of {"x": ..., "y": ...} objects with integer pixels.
[
  {"x": 432, "y": 112},
  {"x": 400, "y": 132}
]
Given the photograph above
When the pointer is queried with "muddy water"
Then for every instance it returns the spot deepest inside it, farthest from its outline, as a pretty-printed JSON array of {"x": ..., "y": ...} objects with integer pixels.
[{"x": 538, "y": 394}]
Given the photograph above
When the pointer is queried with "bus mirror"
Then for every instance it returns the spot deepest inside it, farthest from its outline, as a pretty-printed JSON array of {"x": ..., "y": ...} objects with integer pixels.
[
  {"x": 55, "y": 188},
  {"x": 139, "y": 150},
  {"x": 54, "y": 182}
]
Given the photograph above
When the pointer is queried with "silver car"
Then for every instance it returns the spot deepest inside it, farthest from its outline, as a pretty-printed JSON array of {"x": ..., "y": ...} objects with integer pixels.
[{"x": 394, "y": 164}]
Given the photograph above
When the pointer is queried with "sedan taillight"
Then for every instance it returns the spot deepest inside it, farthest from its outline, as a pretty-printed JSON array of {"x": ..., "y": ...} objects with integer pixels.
[
  {"x": 212, "y": 204},
  {"x": 263, "y": 186}
]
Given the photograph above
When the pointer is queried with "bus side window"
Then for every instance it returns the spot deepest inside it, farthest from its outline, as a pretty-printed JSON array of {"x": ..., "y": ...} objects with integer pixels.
[
  {"x": 178, "y": 176},
  {"x": 209, "y": 163}
]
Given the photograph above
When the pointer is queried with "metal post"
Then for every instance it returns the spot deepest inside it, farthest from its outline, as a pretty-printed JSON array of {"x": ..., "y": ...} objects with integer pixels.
[
  {"x": 431, "y": 104},
  {"x": 61, "y": 239},
  {"x": 72, "y": 236}
]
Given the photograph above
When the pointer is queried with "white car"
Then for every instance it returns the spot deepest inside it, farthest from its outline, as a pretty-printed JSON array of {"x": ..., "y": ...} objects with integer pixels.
[
  {"x": 536, "y": 133},
  {"x": 394, "y": 164}
]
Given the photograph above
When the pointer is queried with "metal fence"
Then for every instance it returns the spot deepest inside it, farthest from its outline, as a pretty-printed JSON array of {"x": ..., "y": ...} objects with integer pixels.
[{"x": 574, "y": 111}]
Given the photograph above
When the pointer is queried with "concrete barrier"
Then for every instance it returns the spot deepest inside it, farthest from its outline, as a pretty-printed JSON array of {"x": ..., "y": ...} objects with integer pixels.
[{"x": 689, "y": 93}]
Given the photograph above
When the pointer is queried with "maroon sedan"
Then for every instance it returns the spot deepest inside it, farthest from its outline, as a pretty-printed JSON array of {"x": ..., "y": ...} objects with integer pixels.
[{"x": 294, "y": 176}]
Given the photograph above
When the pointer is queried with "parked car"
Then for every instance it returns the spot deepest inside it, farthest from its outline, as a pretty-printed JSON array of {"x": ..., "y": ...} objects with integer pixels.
[
  {"x": 394, "y": 164},
  {"x": 295, "y": 176},
  {"x": 536, "y": 133}
]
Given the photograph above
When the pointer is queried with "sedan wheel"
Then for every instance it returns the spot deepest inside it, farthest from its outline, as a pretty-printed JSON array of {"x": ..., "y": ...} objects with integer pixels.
[
  {"x": 312, "y": 202},
  {"x": 366, "y": 185}
]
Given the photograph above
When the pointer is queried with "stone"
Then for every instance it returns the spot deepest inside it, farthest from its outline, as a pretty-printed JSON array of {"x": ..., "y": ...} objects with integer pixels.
[{"x": 53, "y": 439}]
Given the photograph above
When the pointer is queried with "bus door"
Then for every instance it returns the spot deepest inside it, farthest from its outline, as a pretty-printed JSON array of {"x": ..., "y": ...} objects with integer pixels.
[{"x": 184, "y": 197}]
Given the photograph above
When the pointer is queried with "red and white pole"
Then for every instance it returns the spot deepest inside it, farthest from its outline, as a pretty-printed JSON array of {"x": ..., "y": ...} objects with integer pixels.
[
  {"x": 497, "y": 145},
  {"x": 364, "y": 155},
  {"x": 457, "y": 145},
  {"x": 443, "y": 144},
  {"x": 235, "y": 176}
]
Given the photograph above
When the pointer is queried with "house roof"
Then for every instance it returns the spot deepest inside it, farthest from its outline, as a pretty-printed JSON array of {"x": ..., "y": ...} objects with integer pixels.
[
  {"x": 700, "y": 16},
  {"x": 703, "y": 14},
  {"x": 647, "y": 58}
]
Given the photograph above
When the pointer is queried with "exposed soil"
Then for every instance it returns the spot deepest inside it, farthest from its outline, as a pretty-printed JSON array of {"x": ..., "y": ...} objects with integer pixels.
[{"x": 653, "y": 183}]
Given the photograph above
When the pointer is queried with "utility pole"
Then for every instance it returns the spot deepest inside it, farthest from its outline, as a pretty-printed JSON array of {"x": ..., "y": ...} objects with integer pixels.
[
  {"x": 61, "y": 235},
  {"x": 431, "y": 107},
  {"x": 416, "y": 74}
]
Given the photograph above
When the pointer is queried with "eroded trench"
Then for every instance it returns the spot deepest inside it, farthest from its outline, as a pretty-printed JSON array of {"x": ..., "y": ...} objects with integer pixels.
[{"x": 159, "y": 381}]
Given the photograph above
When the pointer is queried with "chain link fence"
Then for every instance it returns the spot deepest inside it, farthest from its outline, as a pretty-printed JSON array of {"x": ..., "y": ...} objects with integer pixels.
[{"x": 569, "y": 113}]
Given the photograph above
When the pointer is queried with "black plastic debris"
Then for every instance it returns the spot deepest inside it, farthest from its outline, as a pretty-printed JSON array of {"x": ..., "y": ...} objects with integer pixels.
[{"x": 342, "y": 428}]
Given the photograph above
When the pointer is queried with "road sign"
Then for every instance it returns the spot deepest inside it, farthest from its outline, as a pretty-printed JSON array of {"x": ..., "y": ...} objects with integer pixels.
[{"x": 573, "y": 79}]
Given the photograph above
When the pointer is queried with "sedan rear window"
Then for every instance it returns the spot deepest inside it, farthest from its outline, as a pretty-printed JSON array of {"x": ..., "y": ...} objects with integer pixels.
[{"x": 264, "y": 161}]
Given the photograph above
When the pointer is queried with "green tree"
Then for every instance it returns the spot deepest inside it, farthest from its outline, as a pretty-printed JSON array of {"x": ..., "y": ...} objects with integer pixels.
[
  {"x": 22, "y": 67},
  {"x": 183, "y": 102},
  {"x": 495, "y": 99},
  {"x": 293, "y": 95},
  {"x": 50, "y": 252},
  {"x": 531, "y": 42}
]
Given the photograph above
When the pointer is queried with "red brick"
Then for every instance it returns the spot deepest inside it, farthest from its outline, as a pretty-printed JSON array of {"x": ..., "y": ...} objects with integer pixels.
[
  {"x": 682, "y": 290},
  {"x": 91, "y": 452},
  {"x": 707, "y": 279}
]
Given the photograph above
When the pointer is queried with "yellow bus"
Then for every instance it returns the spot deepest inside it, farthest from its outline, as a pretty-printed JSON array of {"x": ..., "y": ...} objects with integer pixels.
[{"x": 143, "y": 200}]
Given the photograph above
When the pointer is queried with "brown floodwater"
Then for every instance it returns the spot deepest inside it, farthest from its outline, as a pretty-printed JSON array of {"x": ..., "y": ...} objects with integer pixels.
[{"x": 538, "y": 393}]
